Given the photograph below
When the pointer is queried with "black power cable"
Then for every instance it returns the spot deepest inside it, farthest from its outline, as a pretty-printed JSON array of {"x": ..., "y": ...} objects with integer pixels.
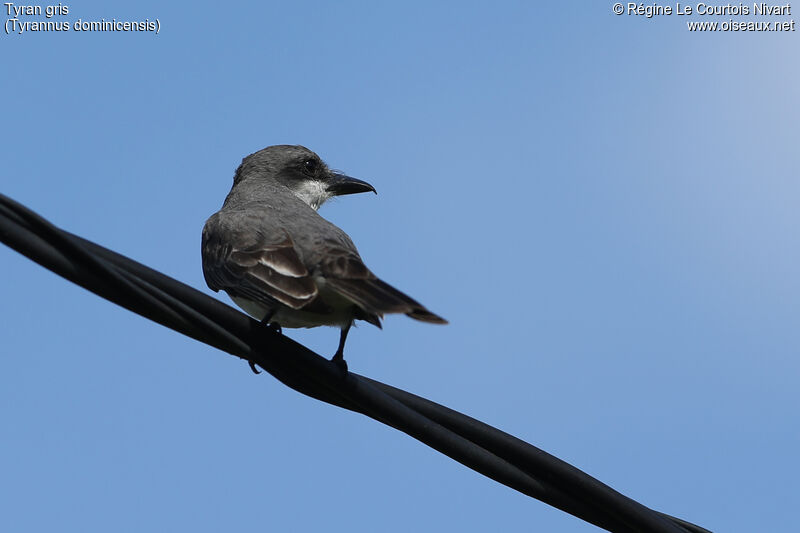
[{"x": 474, "y": 444}]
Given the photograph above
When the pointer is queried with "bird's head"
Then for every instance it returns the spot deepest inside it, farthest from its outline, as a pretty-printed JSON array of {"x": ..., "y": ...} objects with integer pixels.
[{"x": 301, "y": 171}]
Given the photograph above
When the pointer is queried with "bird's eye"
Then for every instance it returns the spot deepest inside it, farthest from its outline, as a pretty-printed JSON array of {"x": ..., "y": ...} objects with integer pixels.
[{"x": 310, "y": 165}]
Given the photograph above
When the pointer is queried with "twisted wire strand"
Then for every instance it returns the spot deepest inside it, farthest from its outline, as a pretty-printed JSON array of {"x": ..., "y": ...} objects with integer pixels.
[{"x": 477, "y": 445}]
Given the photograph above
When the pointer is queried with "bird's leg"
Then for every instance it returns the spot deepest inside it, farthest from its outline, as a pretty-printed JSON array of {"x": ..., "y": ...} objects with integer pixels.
[
  {"x": 268, "y": 317},
  {"x": 274, "y": 326},
  {"x": 338, "y": 357}
]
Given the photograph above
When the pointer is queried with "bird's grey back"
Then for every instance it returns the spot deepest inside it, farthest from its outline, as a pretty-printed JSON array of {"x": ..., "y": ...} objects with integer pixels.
[{"x": 272, "y": 211}]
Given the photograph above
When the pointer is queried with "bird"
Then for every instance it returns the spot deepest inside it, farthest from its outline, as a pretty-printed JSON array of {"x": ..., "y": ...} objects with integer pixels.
[{"x": 283, "y": 263}]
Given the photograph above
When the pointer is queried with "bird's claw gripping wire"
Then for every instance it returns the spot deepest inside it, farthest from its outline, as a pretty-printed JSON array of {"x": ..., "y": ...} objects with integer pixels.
[
  {"x": 339, "y": 361},
  {"x": 274, "y": 326}
]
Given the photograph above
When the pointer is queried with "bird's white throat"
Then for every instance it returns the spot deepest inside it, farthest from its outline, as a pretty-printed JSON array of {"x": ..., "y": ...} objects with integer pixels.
[{"x": 312, "y": 192}]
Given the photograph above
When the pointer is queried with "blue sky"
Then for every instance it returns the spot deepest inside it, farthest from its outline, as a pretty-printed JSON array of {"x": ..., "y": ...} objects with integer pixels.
[{"x": 604, "y": 207}]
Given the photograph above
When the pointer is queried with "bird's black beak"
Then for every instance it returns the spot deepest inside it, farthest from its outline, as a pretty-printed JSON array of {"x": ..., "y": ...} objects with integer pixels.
[{"x": 339, "y": 184}]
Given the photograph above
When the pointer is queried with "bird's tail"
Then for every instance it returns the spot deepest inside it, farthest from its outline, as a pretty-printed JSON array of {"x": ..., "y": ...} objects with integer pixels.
[
  {"x": 424, "y": 315},
  {"x": 378, "y": 298}
]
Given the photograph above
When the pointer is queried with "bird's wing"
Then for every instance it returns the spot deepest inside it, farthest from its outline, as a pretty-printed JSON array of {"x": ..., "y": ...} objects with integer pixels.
[
  {"x": 346, "y": 273},
  {"x": 253, "y": 265}
]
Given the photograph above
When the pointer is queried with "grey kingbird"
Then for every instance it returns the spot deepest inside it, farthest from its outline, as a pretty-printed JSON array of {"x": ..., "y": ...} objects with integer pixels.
[{"x": 284, "y": 264}]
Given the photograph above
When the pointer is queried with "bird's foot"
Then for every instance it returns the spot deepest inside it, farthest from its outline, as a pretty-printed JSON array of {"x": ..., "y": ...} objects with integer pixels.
[
  {"x": 267, "y": 321},
  {"x": 274, "y": 326},
  {"x": 339, "y": 361}
]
